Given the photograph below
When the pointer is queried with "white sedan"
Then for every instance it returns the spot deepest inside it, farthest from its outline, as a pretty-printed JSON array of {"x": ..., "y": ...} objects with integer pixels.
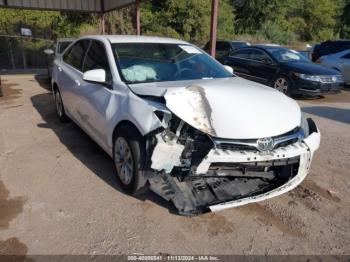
[
  {"x": 175, "y": 120},
  {"x": 339, "y": 61}
]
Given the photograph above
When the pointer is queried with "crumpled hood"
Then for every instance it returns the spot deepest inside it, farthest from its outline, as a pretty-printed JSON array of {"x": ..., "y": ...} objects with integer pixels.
[{"x": 232, "y": 108}]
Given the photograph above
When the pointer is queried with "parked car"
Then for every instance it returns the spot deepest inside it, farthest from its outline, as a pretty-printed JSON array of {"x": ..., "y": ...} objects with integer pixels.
[
  {"x": 286, "y": 70},
  {"x": 329, "y": 47},
  {"x": 58, "y": 48},
  {"x": 338, "y": 61},
  {"x": 178, "y": 121},
  {"x": 225, "y": 47}
]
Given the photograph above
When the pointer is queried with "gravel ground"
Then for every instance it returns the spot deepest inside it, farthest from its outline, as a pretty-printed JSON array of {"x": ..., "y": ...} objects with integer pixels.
[{"x": 58, "y": 194}]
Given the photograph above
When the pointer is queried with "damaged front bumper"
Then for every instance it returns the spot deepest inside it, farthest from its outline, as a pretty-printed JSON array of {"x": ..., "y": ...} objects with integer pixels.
[
  {"x": 224, "y": 177},
  {"x": 304, "y": 150}
]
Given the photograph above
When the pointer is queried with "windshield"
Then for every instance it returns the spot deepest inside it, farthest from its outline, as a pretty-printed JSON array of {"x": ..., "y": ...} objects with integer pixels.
[
  {"x": 155, "y": 62},
  {"x": 287, "y": 55}
]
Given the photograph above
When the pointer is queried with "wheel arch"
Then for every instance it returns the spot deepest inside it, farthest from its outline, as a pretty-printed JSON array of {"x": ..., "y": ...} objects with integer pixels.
[{"x": 127, "y": 123}]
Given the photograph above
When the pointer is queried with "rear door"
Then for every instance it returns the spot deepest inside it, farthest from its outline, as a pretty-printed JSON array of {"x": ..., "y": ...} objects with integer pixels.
[
  {"x": 239, "y": 61},
  {"x": 70, "y": 75},
  {"x": 222, "y": 50}
]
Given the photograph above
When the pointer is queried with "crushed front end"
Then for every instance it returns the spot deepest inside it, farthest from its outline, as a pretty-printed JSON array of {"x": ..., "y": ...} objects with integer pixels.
[{"x": 200, "y": 173}]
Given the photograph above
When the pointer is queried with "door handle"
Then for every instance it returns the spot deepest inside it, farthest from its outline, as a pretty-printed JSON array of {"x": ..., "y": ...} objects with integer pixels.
[
  {"x": 77, "y": 82},
  {"x": 59, "y": 69}
]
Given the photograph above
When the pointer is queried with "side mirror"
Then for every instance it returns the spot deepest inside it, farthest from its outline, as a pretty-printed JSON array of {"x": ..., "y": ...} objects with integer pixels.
[
  {"x": 230, "y": 69},
  {"x": 49, "y": 51},
  {"x": 96, "y": 76}
]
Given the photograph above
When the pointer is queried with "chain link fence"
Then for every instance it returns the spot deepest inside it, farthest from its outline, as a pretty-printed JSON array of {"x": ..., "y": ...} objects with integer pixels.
[{"x": 23, "y": 53}]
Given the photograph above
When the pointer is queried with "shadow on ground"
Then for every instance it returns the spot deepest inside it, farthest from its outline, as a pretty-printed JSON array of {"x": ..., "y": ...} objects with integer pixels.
[
  {"x": 43, "y": 81},
  {"x": 337, "y": 114},
  {"x": 85, "y": 149}
]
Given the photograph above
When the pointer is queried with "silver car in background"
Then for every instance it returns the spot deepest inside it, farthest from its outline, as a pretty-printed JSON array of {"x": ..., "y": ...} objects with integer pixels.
[
  {"x": 339, "y": 61},
  {"x": 58, "y": 48}
]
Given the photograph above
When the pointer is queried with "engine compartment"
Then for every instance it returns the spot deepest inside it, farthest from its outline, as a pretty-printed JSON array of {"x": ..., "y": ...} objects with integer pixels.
[{"x": 178, "y": 149}]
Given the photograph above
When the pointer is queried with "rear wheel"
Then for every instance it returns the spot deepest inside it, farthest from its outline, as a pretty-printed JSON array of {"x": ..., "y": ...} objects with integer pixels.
[
  {"x": 282, "y": 84},
  {"x": 129, "y": 159}
]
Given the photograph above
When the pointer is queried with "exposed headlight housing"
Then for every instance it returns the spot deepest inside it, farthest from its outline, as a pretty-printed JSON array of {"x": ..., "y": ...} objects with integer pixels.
[
  {"x": 321, "y": 78},
  {"x": 304, "y": 125}
]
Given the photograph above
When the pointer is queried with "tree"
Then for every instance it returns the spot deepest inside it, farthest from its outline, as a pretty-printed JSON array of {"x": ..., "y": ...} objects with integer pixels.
[
  {"x": 187, "y": 19},
  {"x": 345, "y": 21}
]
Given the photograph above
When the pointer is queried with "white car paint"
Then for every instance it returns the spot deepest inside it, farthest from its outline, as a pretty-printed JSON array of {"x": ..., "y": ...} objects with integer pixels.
[
  {"x": 225, "y": 108},
  {"x": 209, "y": 104},
  {"x": 339, "y": 61}
]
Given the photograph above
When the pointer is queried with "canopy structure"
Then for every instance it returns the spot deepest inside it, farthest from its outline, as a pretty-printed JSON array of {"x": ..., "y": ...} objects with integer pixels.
[
  {"x": 95, "y": 6},
  {"x": 102, "y": 7}
]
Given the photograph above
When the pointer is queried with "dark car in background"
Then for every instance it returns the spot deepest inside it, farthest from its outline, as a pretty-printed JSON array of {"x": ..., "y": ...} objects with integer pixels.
[
  {"x": 58, "y": 48},
  {"x": 286, "y": 70},
  {"x": 329, "y": 47},
  {"x": 225, "y": 47}
]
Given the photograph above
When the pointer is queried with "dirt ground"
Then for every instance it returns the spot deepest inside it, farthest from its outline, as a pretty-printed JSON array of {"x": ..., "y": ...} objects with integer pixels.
[{"x": 58, "y": 194}]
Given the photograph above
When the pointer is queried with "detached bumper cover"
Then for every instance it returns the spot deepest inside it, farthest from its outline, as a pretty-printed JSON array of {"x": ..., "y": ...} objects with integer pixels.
[{"x": 304, "y": 150}]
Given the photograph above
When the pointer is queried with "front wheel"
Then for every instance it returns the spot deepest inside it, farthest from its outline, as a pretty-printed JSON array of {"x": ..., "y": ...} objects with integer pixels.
[
  {"x": 282, "y": 84},
  {"x": 61, "y": 114},
  {"x": 129, "y": 159}
]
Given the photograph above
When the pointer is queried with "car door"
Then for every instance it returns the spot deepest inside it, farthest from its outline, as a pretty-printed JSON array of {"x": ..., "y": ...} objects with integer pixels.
[
  {"x": 239, "y": 60},
  {"x": 94, "y": 98},
  {"x": 261, "y": 66},
  {"x": 70, "y": 76}
]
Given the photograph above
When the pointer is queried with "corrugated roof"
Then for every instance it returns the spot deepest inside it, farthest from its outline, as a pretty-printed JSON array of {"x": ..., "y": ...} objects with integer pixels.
[{"x": 68, "y": 5}]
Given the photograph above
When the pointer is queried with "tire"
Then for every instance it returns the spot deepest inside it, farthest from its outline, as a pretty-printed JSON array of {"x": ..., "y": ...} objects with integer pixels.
[
  {"x": 282, "y": 84},
  {"x": 61, "y": 113},
  {"x": 129, "y": 157}
]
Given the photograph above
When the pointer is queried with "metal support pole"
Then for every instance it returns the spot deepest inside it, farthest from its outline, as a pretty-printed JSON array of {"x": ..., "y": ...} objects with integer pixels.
[
  {"x": 138, "y": 17},
  {"x": 103, "y": 18},
  {"x": 103, "y": 23},
  {"x": 1, "y": 94},
  {"x": 213, "y": 27}
]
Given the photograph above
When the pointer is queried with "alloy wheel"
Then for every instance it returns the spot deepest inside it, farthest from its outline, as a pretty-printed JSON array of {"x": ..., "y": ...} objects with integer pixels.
[
  {"x": 281, "y": 84},
  {"x": 124, "y": 161}
]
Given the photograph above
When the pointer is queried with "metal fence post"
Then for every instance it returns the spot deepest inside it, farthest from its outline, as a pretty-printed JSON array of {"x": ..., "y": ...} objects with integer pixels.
[{"x": 1, "y": 94}]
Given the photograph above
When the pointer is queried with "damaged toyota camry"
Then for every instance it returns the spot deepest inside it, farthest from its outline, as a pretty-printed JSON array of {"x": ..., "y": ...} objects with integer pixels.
[{"x": 178, "y": 122}]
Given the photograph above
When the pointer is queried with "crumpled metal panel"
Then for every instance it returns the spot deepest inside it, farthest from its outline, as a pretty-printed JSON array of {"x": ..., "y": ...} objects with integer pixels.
[{"x": 68, "y": 5}]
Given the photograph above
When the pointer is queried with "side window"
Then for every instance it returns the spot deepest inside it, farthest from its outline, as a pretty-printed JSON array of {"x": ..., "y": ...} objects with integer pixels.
[
  {"x": 75, "y": 55},
  {"x": 96, "y": 58},
  {"x": 347, "y": 56},
  {"x": 260, "y": 56},
  {"x": 245, "y": 54}
]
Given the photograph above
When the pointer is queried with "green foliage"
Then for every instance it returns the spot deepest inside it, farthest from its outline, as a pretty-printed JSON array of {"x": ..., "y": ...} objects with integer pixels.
[
  {"x": 278, "y": 21},
  {"x": 345, "y": 21},
  {"x": 189, "y": 19},
  {"x": 45, "y": 24},
  {"x": 275, "y": 34}
]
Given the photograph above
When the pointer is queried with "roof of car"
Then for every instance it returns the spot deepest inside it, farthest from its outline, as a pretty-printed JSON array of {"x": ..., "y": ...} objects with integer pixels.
[{"x": 135, "y": 39}]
